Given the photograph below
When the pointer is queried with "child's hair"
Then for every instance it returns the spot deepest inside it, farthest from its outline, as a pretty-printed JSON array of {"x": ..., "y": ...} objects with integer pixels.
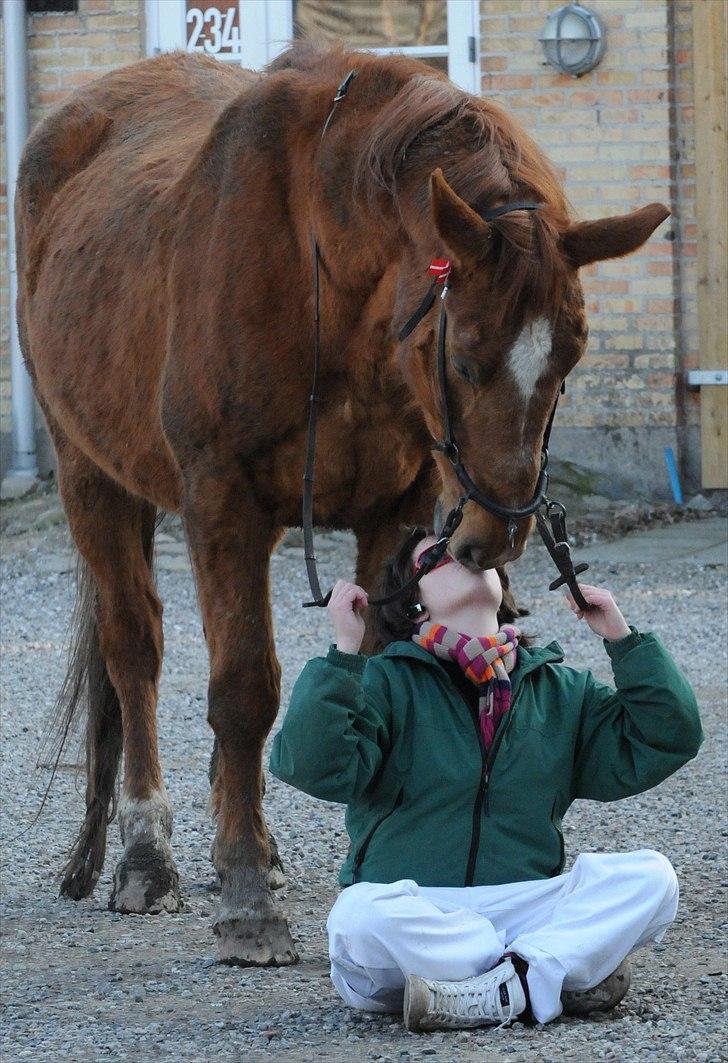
[{"x": 391, "y": 622}]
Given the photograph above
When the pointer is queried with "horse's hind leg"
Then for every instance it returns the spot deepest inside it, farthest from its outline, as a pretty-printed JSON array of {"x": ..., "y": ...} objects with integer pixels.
[{"x": 114, "y": 533}]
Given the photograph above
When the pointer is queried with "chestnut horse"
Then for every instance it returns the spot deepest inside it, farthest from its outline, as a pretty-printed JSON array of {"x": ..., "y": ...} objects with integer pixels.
[{"x": 165, "y": 218}]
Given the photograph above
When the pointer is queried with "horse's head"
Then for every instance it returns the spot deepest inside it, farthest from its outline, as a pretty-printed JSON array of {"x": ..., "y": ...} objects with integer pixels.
[
  {"x": 516, "y": 324},
  {"x": 515, "y": 328}
]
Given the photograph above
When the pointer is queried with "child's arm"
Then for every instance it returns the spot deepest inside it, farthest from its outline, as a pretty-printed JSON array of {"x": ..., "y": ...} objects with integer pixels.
[
  {"x": 632, "y": 737},
  {"x": 336, "y": 732}
]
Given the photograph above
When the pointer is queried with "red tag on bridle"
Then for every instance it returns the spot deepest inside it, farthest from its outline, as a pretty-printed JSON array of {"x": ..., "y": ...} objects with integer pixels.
[{"x": 440, "y": 269}]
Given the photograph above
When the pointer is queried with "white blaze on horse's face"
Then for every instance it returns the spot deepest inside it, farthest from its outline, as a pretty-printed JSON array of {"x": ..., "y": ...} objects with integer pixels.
[{"x": 528, "y": 356}]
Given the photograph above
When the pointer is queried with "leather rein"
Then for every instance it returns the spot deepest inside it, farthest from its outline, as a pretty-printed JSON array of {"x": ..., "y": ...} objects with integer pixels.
[{"x": 555, "y": 538}]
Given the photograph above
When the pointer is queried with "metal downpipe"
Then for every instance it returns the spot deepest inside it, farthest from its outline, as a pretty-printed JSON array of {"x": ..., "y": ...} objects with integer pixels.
[{"x": 24, "y": 465}]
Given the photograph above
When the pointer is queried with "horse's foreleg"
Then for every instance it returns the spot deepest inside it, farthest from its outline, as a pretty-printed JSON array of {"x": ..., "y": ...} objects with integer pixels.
[
  {"x": 277, "y": 872},
  {"x": 114, "y": 533},
  {"x": 376, "y": 541},
  {"x": 230, "y": 540}
]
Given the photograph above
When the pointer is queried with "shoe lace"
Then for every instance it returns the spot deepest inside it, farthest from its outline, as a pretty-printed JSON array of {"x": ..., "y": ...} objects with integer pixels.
[{"x": 467, "y": 1002}]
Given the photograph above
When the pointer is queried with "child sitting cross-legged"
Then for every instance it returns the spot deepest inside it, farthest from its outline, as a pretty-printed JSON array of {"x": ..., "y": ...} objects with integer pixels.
[{"x": 457, "y": 749}]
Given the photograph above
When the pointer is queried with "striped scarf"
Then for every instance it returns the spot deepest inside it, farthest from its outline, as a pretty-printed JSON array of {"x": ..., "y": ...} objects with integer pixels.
[{"x": 485, "y": 659}]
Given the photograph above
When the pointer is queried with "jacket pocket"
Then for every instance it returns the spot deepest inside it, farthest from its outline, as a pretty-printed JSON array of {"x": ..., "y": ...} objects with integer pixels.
[
  {"x": 362, "y": 850},
  {"x": 556, "y": 824}
]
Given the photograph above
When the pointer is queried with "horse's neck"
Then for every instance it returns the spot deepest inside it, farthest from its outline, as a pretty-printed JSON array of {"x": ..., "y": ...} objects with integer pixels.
[
  {"x": 356, "y": 324},
  {"x": 357, "y": 251},
  {"x": 361, "y": 248}
]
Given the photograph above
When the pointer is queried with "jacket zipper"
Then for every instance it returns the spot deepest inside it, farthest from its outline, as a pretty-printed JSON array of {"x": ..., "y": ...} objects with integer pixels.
[
  {"x": 562, "y": 852},
  {"x": 481, "y": 798},
  {"x": 477, "y": 807},
  {"x": 359, "y": 858}
]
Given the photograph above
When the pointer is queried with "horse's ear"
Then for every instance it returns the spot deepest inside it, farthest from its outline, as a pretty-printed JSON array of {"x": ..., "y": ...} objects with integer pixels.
[
  {"x": 463, "y": 232},
  {"x": 593, "y": 241}
]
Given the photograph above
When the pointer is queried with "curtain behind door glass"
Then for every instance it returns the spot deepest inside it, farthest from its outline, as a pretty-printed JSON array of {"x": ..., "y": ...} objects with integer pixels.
[{"x": 372, "y": 23}]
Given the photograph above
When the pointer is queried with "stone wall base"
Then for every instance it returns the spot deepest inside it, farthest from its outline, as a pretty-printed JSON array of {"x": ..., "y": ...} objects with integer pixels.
[{"x": 625, "y": 462}]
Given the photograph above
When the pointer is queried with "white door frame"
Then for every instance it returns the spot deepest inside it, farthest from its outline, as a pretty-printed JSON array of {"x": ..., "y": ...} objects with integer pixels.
[
  {"x": 463, "y": 42},
  {"x": 267, "y": 28}
]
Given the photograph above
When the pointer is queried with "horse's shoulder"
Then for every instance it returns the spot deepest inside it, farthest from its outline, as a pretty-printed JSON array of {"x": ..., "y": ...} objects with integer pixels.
[{"x": 259, "y": 118}]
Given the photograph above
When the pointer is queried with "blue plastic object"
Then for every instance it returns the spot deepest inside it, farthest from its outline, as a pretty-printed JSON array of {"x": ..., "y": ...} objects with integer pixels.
[{"x": 674, "y": 477}]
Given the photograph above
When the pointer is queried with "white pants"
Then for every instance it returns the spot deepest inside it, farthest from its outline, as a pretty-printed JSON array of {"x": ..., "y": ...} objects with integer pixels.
[{"x": 573, "y": 930}]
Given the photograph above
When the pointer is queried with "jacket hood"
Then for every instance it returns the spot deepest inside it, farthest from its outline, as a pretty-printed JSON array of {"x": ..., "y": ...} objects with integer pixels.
[{"x": 529, "y": 658}]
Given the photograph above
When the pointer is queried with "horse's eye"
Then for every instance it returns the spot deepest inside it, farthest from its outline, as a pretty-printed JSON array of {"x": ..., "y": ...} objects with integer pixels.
[{"x": 467, "y": 369}]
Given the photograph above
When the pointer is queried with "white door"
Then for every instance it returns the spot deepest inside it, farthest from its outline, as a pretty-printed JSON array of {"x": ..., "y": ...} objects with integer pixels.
[{"x": 253, "y": 32}]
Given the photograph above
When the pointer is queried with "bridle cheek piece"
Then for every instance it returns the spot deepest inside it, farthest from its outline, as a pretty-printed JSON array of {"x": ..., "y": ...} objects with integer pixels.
[{"x": 555, "y": 538}]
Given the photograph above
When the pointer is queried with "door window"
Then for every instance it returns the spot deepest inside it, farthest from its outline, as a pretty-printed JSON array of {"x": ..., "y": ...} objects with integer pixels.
[
  {"x": 415, "y": 27},
  {"x": 443, "y": 33}
]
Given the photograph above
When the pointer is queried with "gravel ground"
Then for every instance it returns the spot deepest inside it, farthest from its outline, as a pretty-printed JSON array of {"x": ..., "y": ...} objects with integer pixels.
[{"x": 81, "y": 983}]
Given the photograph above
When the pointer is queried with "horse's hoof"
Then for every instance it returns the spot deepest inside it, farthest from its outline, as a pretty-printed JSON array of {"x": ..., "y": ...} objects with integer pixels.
[
  {"x": 146, "y": 882},
  {"x": 254, "y": 942}
]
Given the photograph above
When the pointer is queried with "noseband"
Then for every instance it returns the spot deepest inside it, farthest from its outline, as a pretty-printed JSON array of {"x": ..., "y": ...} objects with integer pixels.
[{"x": 555, "y": 539}]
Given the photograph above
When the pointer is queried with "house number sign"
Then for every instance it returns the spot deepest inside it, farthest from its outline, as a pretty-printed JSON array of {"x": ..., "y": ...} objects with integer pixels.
[{"x": 214, "y": 29}]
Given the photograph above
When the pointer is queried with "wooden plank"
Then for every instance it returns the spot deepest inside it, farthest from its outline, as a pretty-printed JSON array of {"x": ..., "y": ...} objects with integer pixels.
[{"x": 710, "y": 52}]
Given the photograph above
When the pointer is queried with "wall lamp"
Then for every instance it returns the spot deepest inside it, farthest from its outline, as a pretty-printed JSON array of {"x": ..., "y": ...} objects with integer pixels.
[{"x": 573, "y": 40}]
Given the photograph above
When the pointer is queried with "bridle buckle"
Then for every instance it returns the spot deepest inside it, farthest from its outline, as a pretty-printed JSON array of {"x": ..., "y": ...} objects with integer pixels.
[{"x": 449, "y": 448}]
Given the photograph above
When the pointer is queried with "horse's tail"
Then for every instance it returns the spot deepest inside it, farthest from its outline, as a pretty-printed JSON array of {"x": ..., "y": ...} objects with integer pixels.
[{"x": 88, "y": 691}]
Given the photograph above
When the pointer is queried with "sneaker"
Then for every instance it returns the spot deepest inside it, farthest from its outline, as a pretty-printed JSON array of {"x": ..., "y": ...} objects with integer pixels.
[
  {"x": 494, "y": 997},
  {"x": 601, "y": 997}
]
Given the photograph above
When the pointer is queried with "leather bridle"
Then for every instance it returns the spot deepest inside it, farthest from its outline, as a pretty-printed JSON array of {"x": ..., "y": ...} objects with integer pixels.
[{"x": 555, "y": 538}]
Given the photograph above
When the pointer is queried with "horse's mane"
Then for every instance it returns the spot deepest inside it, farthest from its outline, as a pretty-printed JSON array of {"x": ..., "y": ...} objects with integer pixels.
[
  {"x": 487, "y": 160},
  {"x": 422, "y": 121}
]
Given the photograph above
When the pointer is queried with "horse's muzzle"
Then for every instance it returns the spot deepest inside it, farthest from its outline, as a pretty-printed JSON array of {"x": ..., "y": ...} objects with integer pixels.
[{"x": 477, "y": 559}]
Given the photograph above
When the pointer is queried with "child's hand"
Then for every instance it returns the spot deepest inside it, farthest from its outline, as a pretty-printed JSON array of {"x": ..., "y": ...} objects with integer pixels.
[
  {"x": 603, "y": 615},
  {"x": 346, "y": 600}
]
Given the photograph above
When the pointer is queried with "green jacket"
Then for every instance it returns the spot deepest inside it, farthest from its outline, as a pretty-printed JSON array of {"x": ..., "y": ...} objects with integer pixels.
[{"x": 391, "y": 737}]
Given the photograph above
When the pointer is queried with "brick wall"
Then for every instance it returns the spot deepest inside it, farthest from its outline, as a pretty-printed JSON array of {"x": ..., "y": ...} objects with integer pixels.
[
  {"x": 64, "y": 51},
  {"x": 614, "y": 136}
]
